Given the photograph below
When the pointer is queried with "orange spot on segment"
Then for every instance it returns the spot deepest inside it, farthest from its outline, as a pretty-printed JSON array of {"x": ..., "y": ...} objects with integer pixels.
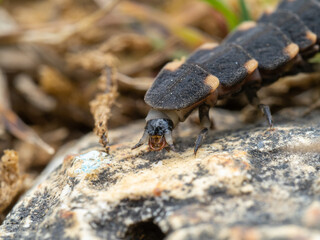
[
  {"x": 212, "y": 81},
  {"x": 311, "y": 36},
  {"x": 251, "y": 65},
  {"x": 208, "y": 46},
  {"x": 247, "y": 25},
  {"x": 292, "y": 50},
  {"x": 173, "y": 66}
]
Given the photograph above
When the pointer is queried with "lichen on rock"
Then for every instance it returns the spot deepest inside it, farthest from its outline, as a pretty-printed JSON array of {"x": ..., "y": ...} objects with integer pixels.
[{"x": 244, "y": 183}]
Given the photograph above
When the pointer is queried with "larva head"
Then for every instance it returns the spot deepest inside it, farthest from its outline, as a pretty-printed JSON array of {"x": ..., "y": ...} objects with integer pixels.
[
  {"x": 157, "y": 130},
  {"x": 158, "y": 134}
]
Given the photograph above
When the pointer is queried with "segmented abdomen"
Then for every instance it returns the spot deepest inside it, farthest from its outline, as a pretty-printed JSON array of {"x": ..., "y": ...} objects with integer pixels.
[
  {"x": 255, "y": 54},
  {"x": 280, "y": 41}
]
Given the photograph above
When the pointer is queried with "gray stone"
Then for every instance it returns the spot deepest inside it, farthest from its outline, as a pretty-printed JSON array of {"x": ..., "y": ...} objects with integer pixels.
[{"x": 246, "y": 182}]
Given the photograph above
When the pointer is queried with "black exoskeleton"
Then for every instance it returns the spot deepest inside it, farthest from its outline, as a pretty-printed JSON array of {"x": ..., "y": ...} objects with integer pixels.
[{"x": 254, "y": 55}]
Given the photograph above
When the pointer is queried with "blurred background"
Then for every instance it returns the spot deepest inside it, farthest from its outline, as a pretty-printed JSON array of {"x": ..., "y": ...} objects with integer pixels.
[{"x": 53, "y": 53}]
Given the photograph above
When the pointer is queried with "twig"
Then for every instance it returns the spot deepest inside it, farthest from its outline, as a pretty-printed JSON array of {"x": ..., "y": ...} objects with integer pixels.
[
  {"x": 4, "y": 96},
  {"x": 14, "y": 124},
  {"x": 101, "y": 106}
]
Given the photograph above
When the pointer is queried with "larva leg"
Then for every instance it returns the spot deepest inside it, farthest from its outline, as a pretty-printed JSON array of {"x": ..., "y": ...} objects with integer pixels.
[
  {"x": 251, "y": 93},
  {"x": 266, "y": 111},
  {"x": 205, "y": 123},
  {"x": 142, "y": 141}
]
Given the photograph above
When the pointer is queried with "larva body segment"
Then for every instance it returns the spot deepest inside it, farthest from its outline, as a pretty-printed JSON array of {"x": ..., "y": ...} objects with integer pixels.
[
  {"x": 188, "y": 87},
  {"x": 217, "y": 62},
  {"x": 267, "y": 44},
  {"x": 307, "y": 10},
  {"x": 254, "y": 55},
  {"x": 292, "y": 26}
]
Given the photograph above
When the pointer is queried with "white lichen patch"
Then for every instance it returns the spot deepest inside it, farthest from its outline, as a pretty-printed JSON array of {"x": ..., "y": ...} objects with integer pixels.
[{"x": 88, "y": 162}]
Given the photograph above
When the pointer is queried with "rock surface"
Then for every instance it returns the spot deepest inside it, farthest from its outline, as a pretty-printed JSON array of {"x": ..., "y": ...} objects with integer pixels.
[{"x": 244, "y": 183}]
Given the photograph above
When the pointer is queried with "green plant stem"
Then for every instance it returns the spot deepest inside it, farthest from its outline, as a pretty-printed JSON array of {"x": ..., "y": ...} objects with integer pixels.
[
  {"x": 231, "y": 18},
  {"x": 245, "y": 15}
]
